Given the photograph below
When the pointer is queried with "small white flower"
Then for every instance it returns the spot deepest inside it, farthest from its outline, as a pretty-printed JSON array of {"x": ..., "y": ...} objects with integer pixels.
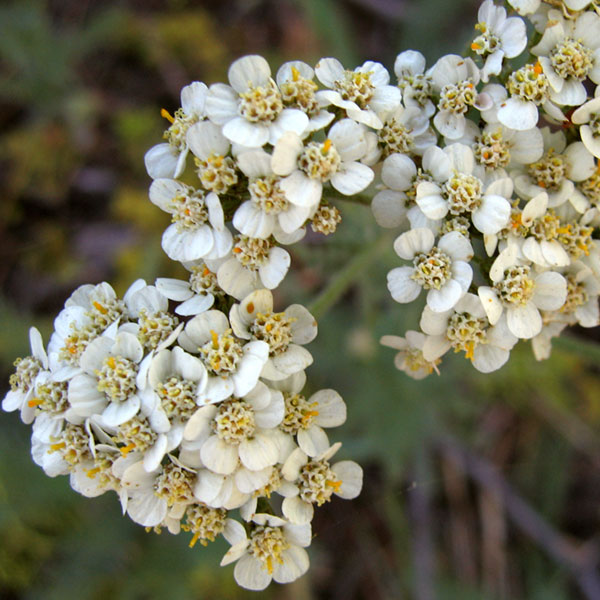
[
  {"x": 269, "y": 210},
  {"x": 416, "y": 85},
  {"x": 198, "y": 229},
  {"x": 316, "y": 480},
  {"x": 196, "y": 295},
  {"x": 569, "y": 53},
  {"x": 499, "y": 37},
  {"x": 253, "y": 264},
  {"x": 410, "y": 357},
  {"x": 24, "y": 381},
  {"x": 233, "y": 366},
  {"x": 465, "y": 194},
  {"x": 305, "y": 168},
  {"x": 365, "y": 93},
  {"x": 285, "y": 332},
  {"x": 237, "y": 431},
  {"x": 273, "y": 550},
  {"x": 587, "y": 117},
  {"x": 442, "y": 269},
  {"x": 466, "y": 328},
  {"x": 251, "y": 109},
  {"x": 168, "y": 159}
]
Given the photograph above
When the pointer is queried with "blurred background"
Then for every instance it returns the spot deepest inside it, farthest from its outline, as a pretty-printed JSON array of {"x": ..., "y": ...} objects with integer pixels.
[{"x": 476, "y": 487}]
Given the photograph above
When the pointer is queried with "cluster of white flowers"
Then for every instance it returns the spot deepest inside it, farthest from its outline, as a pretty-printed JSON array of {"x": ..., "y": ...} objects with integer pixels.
[
  {"x": 499, "y": 204},
  {"x": 488, "y": 168},
  {"x": 188, "y": 420}
]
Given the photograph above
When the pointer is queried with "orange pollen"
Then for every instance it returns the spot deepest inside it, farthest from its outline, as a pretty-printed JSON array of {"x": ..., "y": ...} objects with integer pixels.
[
  {"x": 334, "y": 484},
  {"x": 237, "y": 249},
  {"x": 100, "y": 308},
  {"x": 206, "y": 271},
  {"x": 470, "y": 86},
  {"x": 537, "y": 68},
  {"x": 72, "y": 349},
  {"x": 310, "y": 413},
  {"x": 34, "y": 402},
  {"x": 127, "y": 449},
  {"x": 475, "y": 46},
  {"x": 164, "y": 113},
  {"x": 269, "y": 326},
  {"x": 250, "y": 307},
  {"x": 326, "y": 146}
]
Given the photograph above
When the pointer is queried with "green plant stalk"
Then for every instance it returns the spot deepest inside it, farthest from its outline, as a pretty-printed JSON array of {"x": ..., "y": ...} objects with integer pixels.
[{"x": 348, "y": 275}]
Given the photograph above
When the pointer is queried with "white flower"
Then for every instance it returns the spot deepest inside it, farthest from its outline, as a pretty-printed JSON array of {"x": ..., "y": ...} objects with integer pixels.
[
  {"x": 253, "y": 264},
  {"x": 315, "y": 481},
  {"x": 456, "y": 78},
  {"x": 233, "y": 366},
  {"x": 522, "y": 293},
  {"x": 410, "y": 357},
  {"x": 254, "y": 319},
  {"x": 363, "y": 93},
  {"x": 307, "y": 417},
  {"x": 196, "y": 295},
  {"x": 569, "y": 53},
  {"x": 416, "y": 85},
  {"x": 216, "y": 170},
  {"x": 499, "y": 37},
  {"x": 107, "y": 388},
  {"x": 464, "y": 193},
  {"x": 305, "y": 168},
  {"x": 443, "y": 270},
  {"x": 238, "y": 430},
  {"x": 273, "y": 550},
  {"x": 90, "y": 311},
  {"x": 25, "y": 379},
  {"x": 198, "y": 229},
  {"x": 555, "y": 172},
  {"x": 298, "y": 90},
  {"x": 269, "y": 210},
  {"x": 251, "y": 110},
  {"x": 588, "y": 117},
  {"x": 399, "y": 173},
  {"x": 168, "y": 160},
  {"x": 406, "y": 131},
  {"x": 466, "y": 328}
]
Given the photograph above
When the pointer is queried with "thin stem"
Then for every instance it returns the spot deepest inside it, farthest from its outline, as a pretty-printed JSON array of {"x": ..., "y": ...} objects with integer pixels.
[
  {"x": 348, "y": 275},
  {"x": 364, "y": 199}
]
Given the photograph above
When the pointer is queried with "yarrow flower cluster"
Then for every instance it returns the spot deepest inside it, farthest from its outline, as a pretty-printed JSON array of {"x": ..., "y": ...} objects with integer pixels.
[
  {"x": 187, "y": 421},
  {"x": 186, "y": 397}
]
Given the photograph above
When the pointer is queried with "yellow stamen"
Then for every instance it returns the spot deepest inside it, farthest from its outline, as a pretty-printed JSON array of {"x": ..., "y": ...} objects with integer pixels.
[
  {"x": 537, "y": 68},
  {"x": 295, "y": 74},
  {"x": 326, "y": 146},
  {"x": 270, "y": 565},
  {"x": 55, "y": 447},
  {"x": 194, "y": 540},
  {"x": 215, "y": 339},
  {"x": 336, "y": 485},
  {"x": 111, "y": 362},
  {"x": 164, "y": 113},
  {"x": 93, "y": 472},
  {"x": 309, "y": 414},
  {"x": 34, "y": 402}
]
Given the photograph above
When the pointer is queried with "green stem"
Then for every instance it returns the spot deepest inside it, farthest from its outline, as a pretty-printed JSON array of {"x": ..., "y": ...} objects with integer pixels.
[
  {"x": 348, "y": 275},
  {"x": 333, "y": 194}
]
